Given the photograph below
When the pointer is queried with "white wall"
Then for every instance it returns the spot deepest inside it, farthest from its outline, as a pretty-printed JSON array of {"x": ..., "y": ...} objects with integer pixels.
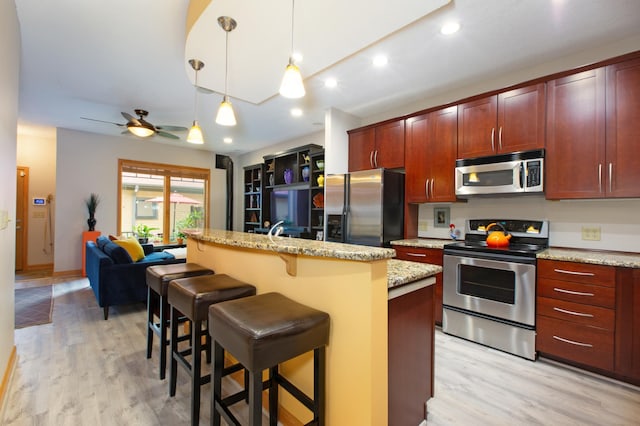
[
  {"x": 9, "y": 83},
  {"x": 255, "y": 157},
  {"x": 37, "y": 151},
  {"x": 336, "y": 140},
  {"x": 87, "y": 162},
  {"x": 619, "y": 220}
]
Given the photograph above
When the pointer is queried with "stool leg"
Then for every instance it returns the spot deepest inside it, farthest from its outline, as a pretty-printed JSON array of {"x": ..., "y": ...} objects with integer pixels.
[
  {"x": 196, "y": 357},
  {"x": 174, "y": 352},
  {"x": 273, "y": 396},
  {"x": 319, "y": 385},
  {"x": 255, "y": 398},
  {"x": 149, "y": 323},
  {"x": 216, "y": 388},
  {"x": 164, "y": 306}
]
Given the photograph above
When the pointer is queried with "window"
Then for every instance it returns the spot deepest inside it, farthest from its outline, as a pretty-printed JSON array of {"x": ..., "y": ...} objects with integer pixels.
[{"x": 164, "y": 198}]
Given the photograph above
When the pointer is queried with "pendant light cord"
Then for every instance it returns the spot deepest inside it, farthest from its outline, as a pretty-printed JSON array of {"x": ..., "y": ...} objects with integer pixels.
[
  {"x": 195, "y": 102},
  {"x": 293, "y": 13},
  {"x": 226, "y": 65}
]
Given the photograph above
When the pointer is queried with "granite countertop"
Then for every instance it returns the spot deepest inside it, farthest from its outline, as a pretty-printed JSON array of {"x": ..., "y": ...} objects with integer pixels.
[
  {"x": 435, "y": 243},
  {"x": 294, "y": 245},
  {"x": 400, "y": 272},
  {"x": 607, "y": 258}
]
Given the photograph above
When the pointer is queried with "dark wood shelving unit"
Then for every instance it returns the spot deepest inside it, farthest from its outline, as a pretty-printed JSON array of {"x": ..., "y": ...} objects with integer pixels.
[{"x": 254, "y": 200}]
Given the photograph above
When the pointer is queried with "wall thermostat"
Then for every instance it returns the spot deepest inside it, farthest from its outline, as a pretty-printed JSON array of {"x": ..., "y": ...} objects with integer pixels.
[{"x": 39, "y": 201}]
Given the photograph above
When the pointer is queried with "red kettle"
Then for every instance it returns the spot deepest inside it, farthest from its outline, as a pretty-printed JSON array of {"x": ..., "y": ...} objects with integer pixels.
[{"x": 497, "y": 238}]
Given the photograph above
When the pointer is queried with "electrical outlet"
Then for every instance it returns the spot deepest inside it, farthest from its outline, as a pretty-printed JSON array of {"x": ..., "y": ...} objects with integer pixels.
[
  {"x": 591, "y": 233},
  {"x": 422, "y": 225}
]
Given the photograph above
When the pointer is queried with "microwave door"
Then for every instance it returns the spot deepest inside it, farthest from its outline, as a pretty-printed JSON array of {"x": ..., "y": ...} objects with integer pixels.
[{"x": 497, "y": 178}]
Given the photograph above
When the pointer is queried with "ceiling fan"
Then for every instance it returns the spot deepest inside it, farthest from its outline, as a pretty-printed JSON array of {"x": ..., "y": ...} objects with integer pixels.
[{"x": 141, "y": 127}]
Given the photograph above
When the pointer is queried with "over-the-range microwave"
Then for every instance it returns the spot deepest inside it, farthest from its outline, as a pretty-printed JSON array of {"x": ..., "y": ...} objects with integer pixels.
[{"x": 515, "y": 173}]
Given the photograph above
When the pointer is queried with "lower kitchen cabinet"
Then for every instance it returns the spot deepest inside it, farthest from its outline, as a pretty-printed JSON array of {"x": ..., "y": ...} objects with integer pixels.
[
  {"x": 425, "y": 255},
  {"x": 589, "y": 315}
]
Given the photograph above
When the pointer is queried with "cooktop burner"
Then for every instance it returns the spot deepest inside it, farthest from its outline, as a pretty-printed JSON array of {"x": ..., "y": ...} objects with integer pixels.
[{"x": 528, "y": 237}]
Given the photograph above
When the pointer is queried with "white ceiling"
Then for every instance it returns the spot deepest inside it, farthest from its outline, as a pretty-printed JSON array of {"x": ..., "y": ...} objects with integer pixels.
[{"x": 96, "y": 59}]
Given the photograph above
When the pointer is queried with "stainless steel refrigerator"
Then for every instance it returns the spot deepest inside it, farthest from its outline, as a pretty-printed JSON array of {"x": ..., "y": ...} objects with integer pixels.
[{"x": 364, "y": 207}]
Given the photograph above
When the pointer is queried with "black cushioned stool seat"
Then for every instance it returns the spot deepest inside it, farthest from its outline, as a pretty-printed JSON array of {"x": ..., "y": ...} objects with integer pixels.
[
  {"x": 192, "y": 297},
  {"x": 158, "y": 277},
  {"x": 261, "y": 332}
]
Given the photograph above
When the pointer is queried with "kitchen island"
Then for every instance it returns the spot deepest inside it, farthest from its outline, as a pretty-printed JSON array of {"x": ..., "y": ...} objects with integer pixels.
[{"x": 348, "y": 282}]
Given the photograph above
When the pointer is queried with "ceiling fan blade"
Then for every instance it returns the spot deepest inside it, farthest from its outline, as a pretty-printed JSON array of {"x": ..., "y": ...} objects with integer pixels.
[
  {"x": 131, "y": 118},
  {"x": 103, "y": 121},
  {"x": 172, "y": 128},
  {"x": 167, "y": 135}
]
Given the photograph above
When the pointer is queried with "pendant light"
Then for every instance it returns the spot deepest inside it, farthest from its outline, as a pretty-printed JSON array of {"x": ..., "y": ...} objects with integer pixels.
[
  {"x": 292, "y": 86},
  {"x": 195, "y": 132},
  {"x": 226, "y": 116}
]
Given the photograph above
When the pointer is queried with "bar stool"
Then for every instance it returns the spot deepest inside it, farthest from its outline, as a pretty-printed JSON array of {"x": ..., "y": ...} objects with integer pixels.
[
  {"x": 261, "y": 332},
  {"x": 192, "y": 296},
  {"x": 158, "y": 277}
]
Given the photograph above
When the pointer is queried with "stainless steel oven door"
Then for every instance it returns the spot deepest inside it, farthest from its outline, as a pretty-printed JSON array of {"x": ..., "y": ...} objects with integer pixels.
[{"x": 503, "y": 289}]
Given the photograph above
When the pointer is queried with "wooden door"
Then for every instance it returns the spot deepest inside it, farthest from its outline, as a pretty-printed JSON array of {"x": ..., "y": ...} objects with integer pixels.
[
  {"x": 477, "y": 128},
  {"x": 623, "y": 129},
  {"x": 389, "y": 152},
  {"x": 417, "y": 164},
  {"x": 361, "y": 149},
  {"x": 521, "y": 115},
  {"x": 442, "y": 147},
  {"x": 22, "y": 208},
  {"x": 575, "y": 149}
]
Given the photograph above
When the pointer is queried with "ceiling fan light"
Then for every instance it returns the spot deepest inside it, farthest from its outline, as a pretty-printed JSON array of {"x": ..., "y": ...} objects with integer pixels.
[
  {"x": 141, "y": 131},
  {"x": 226, "y": 116},
  {"x": 292, "y": 86},
  {"x": 195, "y": 134}
]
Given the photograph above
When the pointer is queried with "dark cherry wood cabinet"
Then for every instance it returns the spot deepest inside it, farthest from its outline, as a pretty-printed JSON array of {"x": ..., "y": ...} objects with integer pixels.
[
  {"x": 426, "y": 255},
  {"x": 592, "y": 133},
  {"x": 430, "y": 147},
  {"x": 627, "y": 345},
  {"x": 575, "y": 317},
  {"x": 411, "y": 356},
  {"x": 376, "y": 147},
  {"x": 508, "y": 122},
  {"x": 623, "y": 130}
]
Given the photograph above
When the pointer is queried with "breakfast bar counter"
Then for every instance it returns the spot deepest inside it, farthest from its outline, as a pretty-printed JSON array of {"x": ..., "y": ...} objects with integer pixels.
[{"x": 350, "y": 283}]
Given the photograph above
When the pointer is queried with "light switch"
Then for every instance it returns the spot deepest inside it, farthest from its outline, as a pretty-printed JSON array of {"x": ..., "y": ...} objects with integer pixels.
[
  {"x": 591, "y": 233},
  {"x": 4, "y": 219}
]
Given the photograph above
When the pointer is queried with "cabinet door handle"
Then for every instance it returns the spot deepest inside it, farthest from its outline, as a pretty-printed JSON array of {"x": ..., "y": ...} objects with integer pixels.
[
  {"x": 426, "y": 188},
  {"x": 586, "y": 345},
  {"x": 493, "y": 132},
  {"x": 371, "y": 159},
  {"x": 500, "y": 138},
  {"x": 417, "y": 254},
  {"x": 610, "y": 175},
  {"x": 576, "y": 293},
  {"x": 599, "y": 177},
  {"x": 375, "y": 159},
  {"x": 578, "y": 314},
  {"x": 432, "y": 181},
  {"x": 564, "y": 271}
]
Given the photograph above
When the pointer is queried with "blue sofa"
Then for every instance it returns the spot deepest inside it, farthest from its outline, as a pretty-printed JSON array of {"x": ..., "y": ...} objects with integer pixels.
[{"x": 114, "y": 277}]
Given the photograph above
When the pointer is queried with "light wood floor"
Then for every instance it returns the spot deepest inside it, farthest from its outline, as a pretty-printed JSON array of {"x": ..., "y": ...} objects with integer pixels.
[{"x": 82, "y": 370}]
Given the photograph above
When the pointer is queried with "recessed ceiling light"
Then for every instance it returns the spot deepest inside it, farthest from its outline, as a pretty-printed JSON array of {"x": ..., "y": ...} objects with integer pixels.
[
  {"x": 450, "y": 28},
  {"x": 227, "y": 140},
  {"x": 380, "y": 60},
  {"x": 296, "y": 112},
  {"x": 330, "y": 83}
]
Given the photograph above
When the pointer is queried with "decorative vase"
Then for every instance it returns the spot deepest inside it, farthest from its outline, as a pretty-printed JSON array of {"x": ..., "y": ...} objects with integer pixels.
[
  {"x": 288, "y": 176},
  {"x": 321, "y": 180},
  {"x": 305, "y": 173},
  {"x": 92, "y": 223}
]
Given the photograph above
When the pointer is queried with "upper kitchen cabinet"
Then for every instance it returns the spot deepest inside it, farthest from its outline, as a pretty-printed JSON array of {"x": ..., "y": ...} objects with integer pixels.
[
  {"x": 508, "y": 122},
  {"x": 375, "y": 147},
  {"x": 431, "y": 156}
]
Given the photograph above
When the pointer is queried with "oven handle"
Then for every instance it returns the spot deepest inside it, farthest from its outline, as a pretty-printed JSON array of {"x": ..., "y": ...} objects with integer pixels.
[
  {"x": 576, "y": 293},
  {"x": 586, "y": 345},
  {"x": 462, "y": 254},
  {"x": 564, "y": 271}
]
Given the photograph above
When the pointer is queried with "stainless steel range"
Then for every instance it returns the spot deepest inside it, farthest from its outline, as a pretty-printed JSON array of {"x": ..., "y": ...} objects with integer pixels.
[{"x": 489, "y": 293}]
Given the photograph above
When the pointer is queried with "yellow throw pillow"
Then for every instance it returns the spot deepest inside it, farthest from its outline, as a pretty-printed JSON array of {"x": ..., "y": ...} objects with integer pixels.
[{"x": 133, "y": 247}]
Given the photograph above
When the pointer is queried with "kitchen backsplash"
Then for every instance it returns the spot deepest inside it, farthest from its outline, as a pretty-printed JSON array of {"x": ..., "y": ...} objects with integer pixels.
[{"x": 618, "y": 220}]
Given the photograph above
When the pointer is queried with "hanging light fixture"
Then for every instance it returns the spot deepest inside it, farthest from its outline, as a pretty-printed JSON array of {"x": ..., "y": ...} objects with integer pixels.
[
  {"x": 292, "y": 86},
  {"x": 226, "y": 116},
  {"x": 195, "y": 132}
]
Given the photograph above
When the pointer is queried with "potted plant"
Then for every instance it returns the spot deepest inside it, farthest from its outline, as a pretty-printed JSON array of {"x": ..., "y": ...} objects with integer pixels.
[
  {"x": 143, "y": 232},
  {"x": 92, "y": 204},
  {"x": 180, "y": 236}
]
